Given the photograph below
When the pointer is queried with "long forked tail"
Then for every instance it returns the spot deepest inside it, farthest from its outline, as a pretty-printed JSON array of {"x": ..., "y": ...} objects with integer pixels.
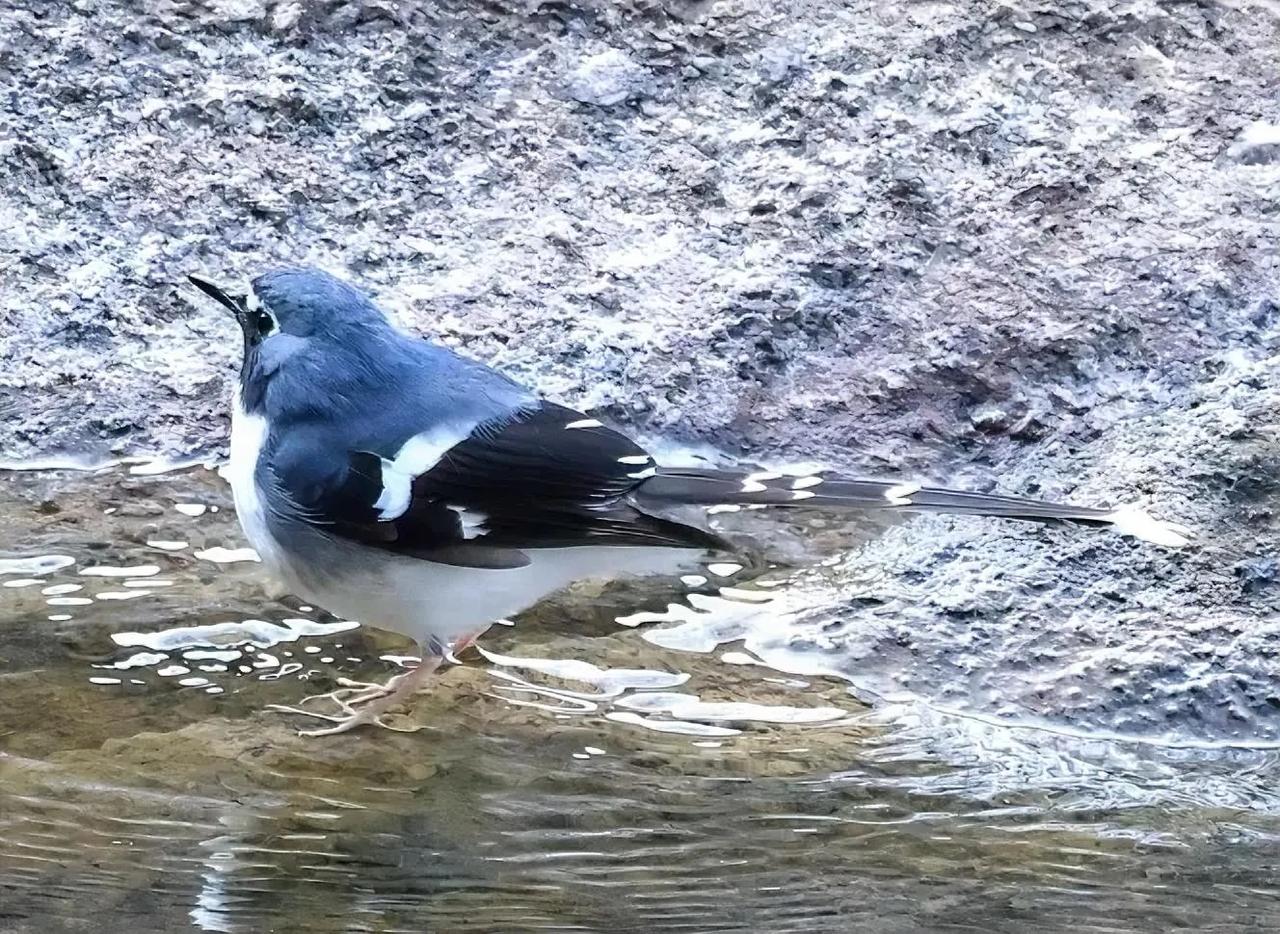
[{"x": 725, "y": 487}]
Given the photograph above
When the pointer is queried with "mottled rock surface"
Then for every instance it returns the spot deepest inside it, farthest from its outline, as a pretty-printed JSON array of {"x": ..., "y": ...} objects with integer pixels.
[{"x": 1030, "y": 244}]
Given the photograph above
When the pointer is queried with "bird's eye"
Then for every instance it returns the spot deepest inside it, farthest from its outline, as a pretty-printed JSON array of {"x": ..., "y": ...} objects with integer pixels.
[{"x": 265, "y": 323}]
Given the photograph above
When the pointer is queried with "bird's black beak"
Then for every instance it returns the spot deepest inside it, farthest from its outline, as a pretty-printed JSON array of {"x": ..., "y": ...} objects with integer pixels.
[{"x": 218, "y": 293}]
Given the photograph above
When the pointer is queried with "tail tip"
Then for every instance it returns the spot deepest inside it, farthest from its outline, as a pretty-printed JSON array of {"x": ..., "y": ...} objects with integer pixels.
[{"x": 1135, "y": 522}]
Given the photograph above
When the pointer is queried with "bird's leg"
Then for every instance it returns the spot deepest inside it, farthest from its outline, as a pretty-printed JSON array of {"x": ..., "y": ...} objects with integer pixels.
[
  {"x": 350, "y": 693},
  {"x": 463, "y": 643},
  {"x": 376, "y": 700}
]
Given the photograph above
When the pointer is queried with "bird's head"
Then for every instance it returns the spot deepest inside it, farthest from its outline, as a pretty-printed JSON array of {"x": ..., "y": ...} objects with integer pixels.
[
  {"x": 301, "y": 303},
  {"x": 284, "y": 312}
]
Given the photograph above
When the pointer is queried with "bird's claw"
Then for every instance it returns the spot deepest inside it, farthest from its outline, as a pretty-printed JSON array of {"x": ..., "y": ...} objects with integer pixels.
[
  {"x": 341, "y": 724},
  {"x": 349, "y": 693}
]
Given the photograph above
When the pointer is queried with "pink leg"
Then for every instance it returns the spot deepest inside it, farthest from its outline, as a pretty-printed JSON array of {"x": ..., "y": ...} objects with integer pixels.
[{"x": 463, "y": 643}]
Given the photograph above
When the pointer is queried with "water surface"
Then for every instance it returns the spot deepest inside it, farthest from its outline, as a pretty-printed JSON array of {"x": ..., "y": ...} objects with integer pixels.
[{"x": 649, "y": 756}]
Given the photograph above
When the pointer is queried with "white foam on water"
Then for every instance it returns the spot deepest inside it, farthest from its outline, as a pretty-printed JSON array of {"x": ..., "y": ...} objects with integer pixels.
[
  {"x": 35, "y": 564},
  {"x": 108, "y": 570},
  {"x": 256, "y": 632},
  {"x": 220, "y": 555}
]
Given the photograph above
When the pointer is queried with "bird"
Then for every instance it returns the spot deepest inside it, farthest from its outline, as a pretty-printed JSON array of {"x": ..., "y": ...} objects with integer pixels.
[{"x": 392, "y": 480}]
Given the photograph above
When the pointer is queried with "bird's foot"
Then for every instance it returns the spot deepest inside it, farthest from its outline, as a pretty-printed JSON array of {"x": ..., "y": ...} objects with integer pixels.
[
  {"x": 360, "y": 703},
  {"x": 348, "y": 720},
  {"x": 349, "y": 694},
  {"x": 370, "y": 686}
]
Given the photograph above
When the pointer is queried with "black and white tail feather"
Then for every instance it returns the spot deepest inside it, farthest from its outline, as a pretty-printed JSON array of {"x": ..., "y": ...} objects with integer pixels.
[
  {"x": 550, "y": 477},
  {"x": 770, "y": 488}
]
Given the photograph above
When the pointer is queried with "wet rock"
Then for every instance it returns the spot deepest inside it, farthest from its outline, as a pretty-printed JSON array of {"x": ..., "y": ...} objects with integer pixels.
[
  {"x": 237, "y": 11},
  {"x": 1059, "y": 626},
  {"x": 607, "y": 78},
  {"x": 1258, "y": 574},
  {"x": 936, "y": 245},
  {"x": 1259, "y": 144},
  {"x": 939, "y": 235}
]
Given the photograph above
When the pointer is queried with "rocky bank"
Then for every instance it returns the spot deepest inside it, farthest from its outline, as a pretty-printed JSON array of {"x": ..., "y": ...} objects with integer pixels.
[{"x": 1021, "y": 244}]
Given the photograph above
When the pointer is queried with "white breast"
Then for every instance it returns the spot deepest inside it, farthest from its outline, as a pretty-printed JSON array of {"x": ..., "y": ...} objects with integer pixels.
[{"x": 248, "y": 435}]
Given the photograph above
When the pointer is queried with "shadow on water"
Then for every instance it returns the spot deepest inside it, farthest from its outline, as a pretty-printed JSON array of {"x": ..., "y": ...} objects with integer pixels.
[{"x": 648, "y": 756}]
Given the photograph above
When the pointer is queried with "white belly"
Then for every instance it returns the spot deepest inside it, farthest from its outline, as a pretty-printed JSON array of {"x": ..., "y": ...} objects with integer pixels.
[
  {"x": 422, "y": 599},
  {"x": 418, "y": 598}
]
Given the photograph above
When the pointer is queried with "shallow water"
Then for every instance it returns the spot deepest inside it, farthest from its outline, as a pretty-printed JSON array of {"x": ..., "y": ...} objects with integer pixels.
[{"x": 651, "y": 756}]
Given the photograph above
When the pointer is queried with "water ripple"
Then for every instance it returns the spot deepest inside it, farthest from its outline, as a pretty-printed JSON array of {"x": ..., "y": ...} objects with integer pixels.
[{"x": 696, "y": 768}]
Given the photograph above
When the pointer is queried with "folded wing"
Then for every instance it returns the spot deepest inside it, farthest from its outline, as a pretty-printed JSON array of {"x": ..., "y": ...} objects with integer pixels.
[{"x": 545, "y": 477}]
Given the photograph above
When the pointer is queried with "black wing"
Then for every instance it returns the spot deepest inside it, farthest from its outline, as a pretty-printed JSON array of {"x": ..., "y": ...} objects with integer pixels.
[{"x": 549, "y": 477}]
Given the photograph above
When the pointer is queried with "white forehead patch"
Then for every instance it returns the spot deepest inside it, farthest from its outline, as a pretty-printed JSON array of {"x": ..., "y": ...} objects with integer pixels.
[{"x": 256, "y": 306}]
